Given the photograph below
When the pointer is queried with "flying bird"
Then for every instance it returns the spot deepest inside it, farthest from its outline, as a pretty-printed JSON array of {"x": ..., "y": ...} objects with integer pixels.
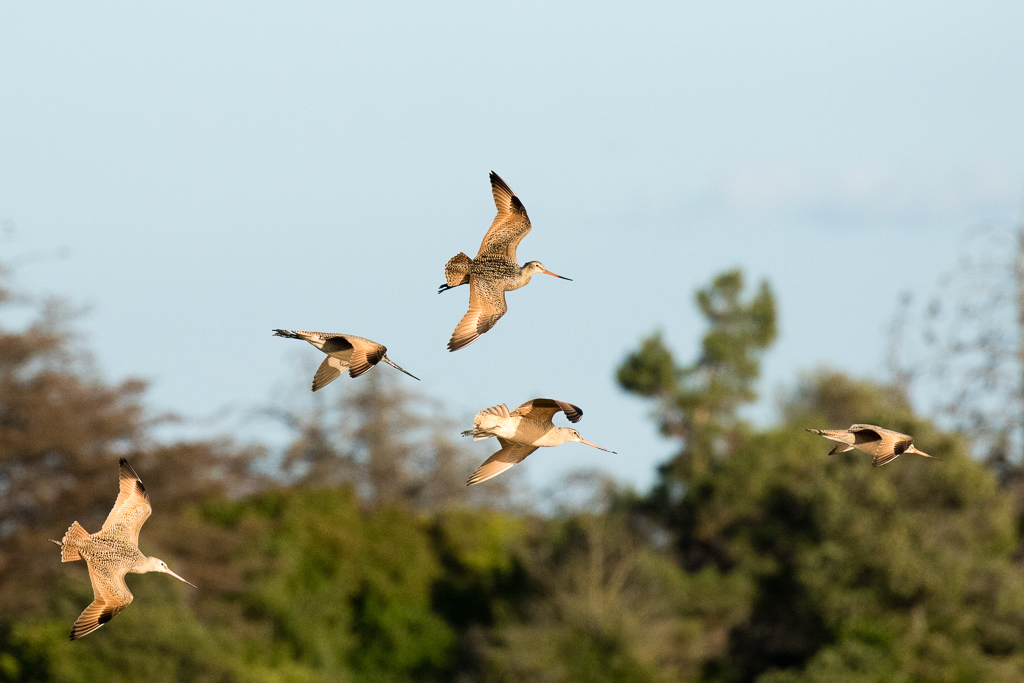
[
  {"x": 344, "y": 352},
  {"x": 884, "y": 445},
  {"x": 112, "y": 552},
  {"x": 521, "y": 432},
  {"x": 495, "y": 269}
]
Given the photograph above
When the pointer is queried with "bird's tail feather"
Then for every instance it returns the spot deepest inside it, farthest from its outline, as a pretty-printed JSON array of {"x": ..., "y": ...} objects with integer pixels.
[
  {"x": 456, "y": 271},
  {"x": 841, "y": 435},
  {"x": 69, "y": 544},
  {"x": 501, "y": 410}
]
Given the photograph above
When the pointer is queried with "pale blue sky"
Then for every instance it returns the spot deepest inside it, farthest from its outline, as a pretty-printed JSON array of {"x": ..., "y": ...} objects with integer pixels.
[{"x": 218, "y": 170}]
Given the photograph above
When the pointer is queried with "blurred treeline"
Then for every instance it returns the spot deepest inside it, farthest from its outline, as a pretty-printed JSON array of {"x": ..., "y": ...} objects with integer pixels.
[{"x": 360, "y": 555}]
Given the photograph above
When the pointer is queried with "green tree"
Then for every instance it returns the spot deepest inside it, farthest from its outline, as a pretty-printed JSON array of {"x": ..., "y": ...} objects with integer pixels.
[
  {"x": 698, "y": 403},
  {"x": 900, "y": 573},
  {"x": 607, "y": 607},
  {"x": 336, "y": 590},
  {"x": 904, "y": 573}
]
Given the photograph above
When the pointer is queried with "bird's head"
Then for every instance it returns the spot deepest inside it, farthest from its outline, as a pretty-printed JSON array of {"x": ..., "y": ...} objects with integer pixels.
[
  {"x": 155, "y": 564},
  {"x": 573, "y": 435},
  {"x": 533, "y": 267}
]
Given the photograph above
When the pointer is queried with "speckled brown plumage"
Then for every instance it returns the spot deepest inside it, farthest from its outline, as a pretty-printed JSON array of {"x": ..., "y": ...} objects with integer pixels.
[
  {"x": 495, "y": 270},
  {"x": 112, "y": 552}
]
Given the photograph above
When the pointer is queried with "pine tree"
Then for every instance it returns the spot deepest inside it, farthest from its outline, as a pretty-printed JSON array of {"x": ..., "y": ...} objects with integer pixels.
[{"x": 698, "y": 404}]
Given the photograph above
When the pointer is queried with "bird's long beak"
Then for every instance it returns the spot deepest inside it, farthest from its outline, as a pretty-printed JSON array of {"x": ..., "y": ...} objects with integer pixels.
[
  {"x": 596, "y": 446},
  {"x": 548, "y": 272},
  {"x": 392, "y": 364},
  {"x": 914, "y": 450},
  {"x": 180, "y": 579}
]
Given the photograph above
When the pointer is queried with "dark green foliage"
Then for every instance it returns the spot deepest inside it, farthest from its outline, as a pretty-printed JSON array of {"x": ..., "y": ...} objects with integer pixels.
[
  {"x": 649, "y": 371},
  {"x": 697, "y": 403},
  {"x": 903, "y": 573},
  {"x": 605, "y": 607},
  {"x": 838, "y": 550},
  {"x": 344, "y": 591}
]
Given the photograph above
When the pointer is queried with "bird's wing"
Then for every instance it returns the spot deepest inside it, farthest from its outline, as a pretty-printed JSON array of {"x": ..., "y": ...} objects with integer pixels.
[
  {"x": 881, "y": 443},
  {"x": 890, "y": 446},
  {"x": 882, "y": 458},
  {"x": 365, "y": 354},
  {"x": 338, "y": 343},
  {"x": 510, "y": 225},
  {"x": 328, "y": 371},
  {"x": 132, "y": 508},
  {"x": 486, "y": 306},
  {"x": 110, "y": 596},
  {"x": 509, "y": 455},
  {"x": 543, "y": 409},
  {"x": 882, "y": 432}
]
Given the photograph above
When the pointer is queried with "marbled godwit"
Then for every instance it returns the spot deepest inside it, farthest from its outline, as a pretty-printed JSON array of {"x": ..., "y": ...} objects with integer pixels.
[
  {"x": 495, "y": 269},
  {"x": 884, "y": 445},
  {"x": 112, "y": 552},
  {"x": 521, "y": 432},
  {"x": 343, "y": 351}
]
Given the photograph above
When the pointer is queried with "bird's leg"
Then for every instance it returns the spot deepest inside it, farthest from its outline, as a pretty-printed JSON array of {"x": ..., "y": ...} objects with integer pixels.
[{"x": 478, "y": 433}]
